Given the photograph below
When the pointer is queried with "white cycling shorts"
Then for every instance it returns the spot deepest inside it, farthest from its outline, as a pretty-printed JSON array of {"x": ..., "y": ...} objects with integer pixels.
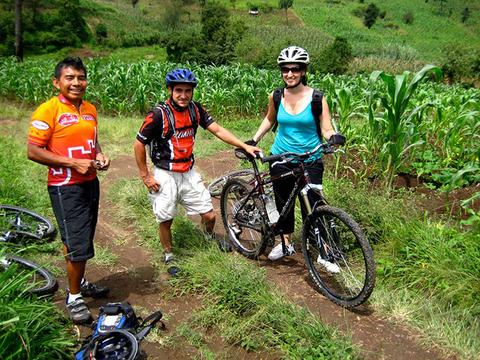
[{"x": 185, "y": 188}]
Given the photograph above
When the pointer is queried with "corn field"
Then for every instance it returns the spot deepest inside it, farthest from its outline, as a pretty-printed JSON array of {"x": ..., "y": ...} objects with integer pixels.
[{"x": 436, "y": 134}]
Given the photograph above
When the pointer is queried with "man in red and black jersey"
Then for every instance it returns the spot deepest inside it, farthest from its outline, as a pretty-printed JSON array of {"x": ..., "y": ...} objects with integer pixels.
[{"x": 169, "y": 131}]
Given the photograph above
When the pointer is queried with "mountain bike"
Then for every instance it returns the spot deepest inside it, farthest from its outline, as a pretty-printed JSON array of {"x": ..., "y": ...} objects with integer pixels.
[
  {"x": 337, "y": 254},
  {"x": 19, "y": 226}
]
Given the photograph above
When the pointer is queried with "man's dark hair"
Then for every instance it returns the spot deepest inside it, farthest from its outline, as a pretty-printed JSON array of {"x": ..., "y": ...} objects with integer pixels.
[{"x": 73, "y": 62}]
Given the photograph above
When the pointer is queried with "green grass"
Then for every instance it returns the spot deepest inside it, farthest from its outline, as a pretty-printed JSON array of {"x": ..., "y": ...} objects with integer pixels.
[
  {"x": 30, "y": 328},
  {"x": 426, "y": 267},
  {"x": 422, "y": 40},
  {"x": 238, "y": 301},
  {"x": 434, "y": 261},
  {"x": 390, "y": 38}
]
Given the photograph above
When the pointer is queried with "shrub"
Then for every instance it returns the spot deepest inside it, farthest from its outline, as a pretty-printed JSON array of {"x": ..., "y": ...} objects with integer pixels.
[
  {"x": 465, "y": 14},
  {"x": 371, "y": 15},
  {"x": 408, "y": 17},
  {"x": 101, "y": 32},
  {"x": 460, "y": 62},
  {"x": 335, "y": 58},
  {"x": 172, "y": 15},
  {"x": 266, "y": 8},
  {"x": 182, "y": 46},
  {"x": 359, "y": 12}
]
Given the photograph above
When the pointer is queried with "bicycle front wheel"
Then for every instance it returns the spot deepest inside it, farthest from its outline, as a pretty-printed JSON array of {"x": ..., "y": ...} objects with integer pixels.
[
  {"x": 242, "y": 218},
  {"x": 20, "y": 224},
  {"x": 40, "y": 281},
  {"x": 338, "y": 256},
  {"x": 216, "y": 186}
]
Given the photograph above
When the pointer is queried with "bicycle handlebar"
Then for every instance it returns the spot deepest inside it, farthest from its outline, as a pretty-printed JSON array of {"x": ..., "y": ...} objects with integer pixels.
[{"x": 325, "y": 147}]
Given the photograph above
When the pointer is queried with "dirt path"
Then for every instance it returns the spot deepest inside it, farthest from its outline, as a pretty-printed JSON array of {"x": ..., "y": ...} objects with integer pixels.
[
  {"x": 378, "y": 338},
  {"x": 133, "y": 279}
]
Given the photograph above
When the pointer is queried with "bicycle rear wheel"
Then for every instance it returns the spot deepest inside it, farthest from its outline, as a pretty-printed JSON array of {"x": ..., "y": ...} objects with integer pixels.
[
  {"x": 20, "y": 224},
  {"x": 216, "y": 186},
  {"x": 242, "y": 218},
  {"x": 338, "y": 256},
  {"x": 40, "y": 282}
]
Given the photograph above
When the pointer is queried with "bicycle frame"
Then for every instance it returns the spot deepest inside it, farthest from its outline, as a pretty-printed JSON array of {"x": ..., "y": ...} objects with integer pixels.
[{"x": 262, "y": 179}]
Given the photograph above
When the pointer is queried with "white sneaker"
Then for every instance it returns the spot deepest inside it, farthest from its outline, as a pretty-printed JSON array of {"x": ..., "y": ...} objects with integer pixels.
[
  {"x": 329, "y": 266},
  {"x": 168, "y": 257},
  {"x": 277, "y": 252}
]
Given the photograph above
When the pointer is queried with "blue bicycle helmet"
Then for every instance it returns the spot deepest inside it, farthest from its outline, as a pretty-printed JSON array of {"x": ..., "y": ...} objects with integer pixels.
[{"x": 181, "y": 76}]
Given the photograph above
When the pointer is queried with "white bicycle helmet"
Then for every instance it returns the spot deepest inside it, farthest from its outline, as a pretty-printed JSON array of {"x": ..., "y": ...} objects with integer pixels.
[{"x": 293, "y": 54}]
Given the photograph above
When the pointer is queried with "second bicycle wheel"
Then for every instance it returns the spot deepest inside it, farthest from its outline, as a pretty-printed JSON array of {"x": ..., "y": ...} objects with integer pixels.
[
  {"x": 241, "y": 214},
  {"x": 19, "y": 224},
  {"x": 338, "y": 256},
  {"x": 39, "y": 280},
  {"x": 216, "y": 186}
]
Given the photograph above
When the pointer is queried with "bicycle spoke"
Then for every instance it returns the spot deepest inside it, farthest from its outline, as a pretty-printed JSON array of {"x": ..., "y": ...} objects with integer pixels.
[
  {"x": 339, "y": 259},
  {"x": 18, "y": 224},
  {"x": 242, "y": 218}
]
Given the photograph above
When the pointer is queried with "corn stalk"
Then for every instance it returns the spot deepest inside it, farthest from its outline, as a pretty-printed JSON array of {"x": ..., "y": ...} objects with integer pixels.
[{"x": 393, "y": 130}]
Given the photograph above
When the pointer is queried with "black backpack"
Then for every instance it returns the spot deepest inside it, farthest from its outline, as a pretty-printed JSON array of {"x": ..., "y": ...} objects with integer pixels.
[{"x": 316, "y": 107}]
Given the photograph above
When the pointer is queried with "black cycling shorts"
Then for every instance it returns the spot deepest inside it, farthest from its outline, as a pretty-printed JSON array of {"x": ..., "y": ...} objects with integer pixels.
[
  {"x": 76, "y": 210},
  {"x": 283, "y": 187}
]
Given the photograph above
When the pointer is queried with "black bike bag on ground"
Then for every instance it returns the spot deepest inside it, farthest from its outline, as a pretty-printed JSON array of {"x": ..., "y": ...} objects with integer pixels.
[{"x": 117, "y": 333}]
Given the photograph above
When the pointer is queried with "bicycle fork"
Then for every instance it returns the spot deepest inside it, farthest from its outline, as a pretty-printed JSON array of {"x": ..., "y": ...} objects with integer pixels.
[{"x": 319, "y": 240}]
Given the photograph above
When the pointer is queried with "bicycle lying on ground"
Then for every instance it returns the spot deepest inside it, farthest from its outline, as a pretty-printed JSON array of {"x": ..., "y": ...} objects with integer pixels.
[
  {"x": 337, "y": 254},
  {"x": 19, "y": 226}
]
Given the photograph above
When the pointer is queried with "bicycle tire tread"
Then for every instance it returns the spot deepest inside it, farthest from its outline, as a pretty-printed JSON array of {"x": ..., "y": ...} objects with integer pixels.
[
  {"x": 367, "y": 252},
  {"x": 51, "y": 284}
]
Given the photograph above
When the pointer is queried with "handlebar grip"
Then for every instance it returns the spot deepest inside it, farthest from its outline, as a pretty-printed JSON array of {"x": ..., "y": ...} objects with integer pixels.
[{"x": 272, "y": 158}]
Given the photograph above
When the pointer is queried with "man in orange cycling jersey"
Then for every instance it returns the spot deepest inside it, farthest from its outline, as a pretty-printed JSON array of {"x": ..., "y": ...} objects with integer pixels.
[
  {"x": 63, "y": 135},
  {"x": 170, "y": 130}
]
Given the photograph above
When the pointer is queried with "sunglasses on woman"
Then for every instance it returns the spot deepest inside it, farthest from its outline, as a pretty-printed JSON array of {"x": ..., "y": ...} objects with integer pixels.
[{"x": 293, "y": 69}]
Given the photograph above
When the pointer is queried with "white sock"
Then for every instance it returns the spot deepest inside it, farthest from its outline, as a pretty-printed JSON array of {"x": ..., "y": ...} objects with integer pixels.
[{"x": 73, "y": 297}]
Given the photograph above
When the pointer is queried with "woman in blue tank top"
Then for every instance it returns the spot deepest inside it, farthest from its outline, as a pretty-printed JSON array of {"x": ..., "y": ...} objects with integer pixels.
[{"x": 297, "y": 132}]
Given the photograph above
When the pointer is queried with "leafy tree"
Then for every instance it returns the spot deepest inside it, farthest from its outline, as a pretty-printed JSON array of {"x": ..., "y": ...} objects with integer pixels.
[
  {"x": 46, "y": 25},
  {"x": 285, "y": 4},
  {"x": 215, "y": 44},
  {"x": 183, "y": 46},
  {"x": 215, "y": 18},
  {"x": 371, "y": 15},
  {"x": 18, "y": 30},
  {"x": 335, "y": 58}
]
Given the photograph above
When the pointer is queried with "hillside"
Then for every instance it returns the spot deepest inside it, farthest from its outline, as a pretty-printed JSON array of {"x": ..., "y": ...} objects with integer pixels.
[{"x": 432, "y": 27}]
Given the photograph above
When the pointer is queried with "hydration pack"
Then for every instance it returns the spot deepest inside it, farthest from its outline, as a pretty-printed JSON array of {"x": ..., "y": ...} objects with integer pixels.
[
  {"x": 117, "y": 333},
  {"x": 166, "y": 112}
]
